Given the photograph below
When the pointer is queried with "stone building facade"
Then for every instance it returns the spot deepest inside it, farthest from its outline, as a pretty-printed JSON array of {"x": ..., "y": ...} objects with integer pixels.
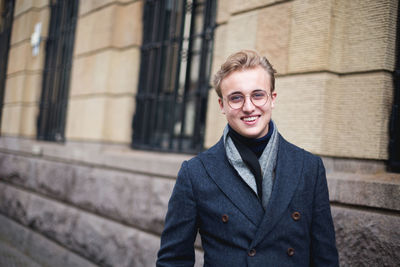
[{"x": 87, "y": 198}]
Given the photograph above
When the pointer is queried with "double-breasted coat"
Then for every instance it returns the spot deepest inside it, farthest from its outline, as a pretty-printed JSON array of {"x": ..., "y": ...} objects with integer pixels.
[{"x": 209, "y": 197}]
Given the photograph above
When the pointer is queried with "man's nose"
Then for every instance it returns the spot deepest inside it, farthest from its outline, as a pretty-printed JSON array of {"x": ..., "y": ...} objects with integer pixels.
[{"x": 248, "y": 105}]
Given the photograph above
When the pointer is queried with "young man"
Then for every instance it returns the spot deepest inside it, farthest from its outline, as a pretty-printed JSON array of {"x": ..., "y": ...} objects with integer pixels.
[{"x": 255, "y": 199}]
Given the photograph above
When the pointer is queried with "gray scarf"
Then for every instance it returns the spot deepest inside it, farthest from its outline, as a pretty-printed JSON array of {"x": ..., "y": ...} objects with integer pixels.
[{"x": 267, "y": 162}]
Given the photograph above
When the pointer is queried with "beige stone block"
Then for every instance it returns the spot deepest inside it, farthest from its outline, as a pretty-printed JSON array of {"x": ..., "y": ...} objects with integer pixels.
[
  {"x": 127, "y": 28},
  {"x": 112, "y": 71},
  {"x": 14, "y": 89},
  {"x": 28, "y": 120},
  {"x": 223, "y": 11},
  {"x": 32, "y": 88},
  {"x": 21, "y": 58},
  {"x": 17, "y": 58},
  {"x": 216, "y": 121},
  {"x": 124, "y": 71},
  {"x": 299, "y": 109},
  {"x": 340, "y": 116},
  {"x": 85, "y": 118},
  {"x": 273, "y": 33},
  {"x": 24, "y": 25},
  {"x": 115, "y": 25},
  {"x": 22, "y": 6},
  {"x": 239, "y": 33},
  {"x": 357, "y": 113},
  {"x": 10, "y": 120},
  {"x": 23, "y": 87},
  {"x": 90, "y": 73},
  {"x": 310, "y": 35},
  {"x": 89, "y": 6},
  {"x": 240, "y": 5},
  {"x": 219, "y": 50},
  {"x": 94, "y": 31},
  {"x": 118, "y": 118},
  {"x": 363, "y": 35}
]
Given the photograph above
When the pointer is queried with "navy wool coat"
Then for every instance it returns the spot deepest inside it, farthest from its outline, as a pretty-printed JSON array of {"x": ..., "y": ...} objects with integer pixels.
[{"x": 209, "y": 197}]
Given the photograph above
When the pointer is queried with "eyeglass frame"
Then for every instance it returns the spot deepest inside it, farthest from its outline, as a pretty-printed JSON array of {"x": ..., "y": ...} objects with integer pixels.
[{"x": 248, "y": 95}]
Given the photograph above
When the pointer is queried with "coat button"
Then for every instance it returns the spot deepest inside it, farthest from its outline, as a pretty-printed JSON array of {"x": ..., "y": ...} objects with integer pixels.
[
  {"x": 296, "y": 216},
  {"x": 225, "y": 218},
  {"x": 252, "y": 252},
  {"x": 290, "y": 252}
]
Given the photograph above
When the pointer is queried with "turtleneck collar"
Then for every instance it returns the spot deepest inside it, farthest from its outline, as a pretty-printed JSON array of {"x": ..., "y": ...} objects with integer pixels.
[{"x": 257, "y": 145}]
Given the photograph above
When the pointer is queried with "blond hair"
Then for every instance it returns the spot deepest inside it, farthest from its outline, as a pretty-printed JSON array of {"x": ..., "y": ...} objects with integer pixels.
[{"x": 245, "y": 59}]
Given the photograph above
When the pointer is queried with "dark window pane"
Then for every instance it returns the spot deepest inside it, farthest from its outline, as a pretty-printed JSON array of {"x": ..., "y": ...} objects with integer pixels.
[
  {"x": 174, "y": 75},
  {"x": 56, "y": 74}
]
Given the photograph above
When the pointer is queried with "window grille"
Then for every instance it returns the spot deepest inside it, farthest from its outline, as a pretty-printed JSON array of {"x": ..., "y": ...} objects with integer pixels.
[
  {"x": 6, "y": 20},
  {"x": 174, "y": 75},
  {"x": 56, "y": 74}
]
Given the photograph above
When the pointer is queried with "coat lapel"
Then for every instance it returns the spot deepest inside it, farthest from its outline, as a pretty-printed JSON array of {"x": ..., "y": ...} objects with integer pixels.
[
  {"x": 288, "y": 172},
  {"x": 226, "y": 178}
]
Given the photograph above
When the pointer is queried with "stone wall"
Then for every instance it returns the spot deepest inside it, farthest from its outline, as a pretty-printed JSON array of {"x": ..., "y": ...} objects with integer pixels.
[
  {"x": 102, "y": 205},
  {"x": 334, "y": 61},
  {"x": 105, "y": 205}
]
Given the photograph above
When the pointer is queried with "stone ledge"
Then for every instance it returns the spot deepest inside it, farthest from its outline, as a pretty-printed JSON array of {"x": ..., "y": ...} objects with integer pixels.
[
  {"x": 95, "y": 154},
  {"x": 380, "y": 191},
  {"x": 133, "y": 199},
  {"x": 37, "y": 247},
  {"x": 103, "y": 241}
]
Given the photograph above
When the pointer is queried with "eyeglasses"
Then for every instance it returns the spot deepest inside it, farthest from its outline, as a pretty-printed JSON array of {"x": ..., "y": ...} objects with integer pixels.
[{"x": 257, "y": 97}]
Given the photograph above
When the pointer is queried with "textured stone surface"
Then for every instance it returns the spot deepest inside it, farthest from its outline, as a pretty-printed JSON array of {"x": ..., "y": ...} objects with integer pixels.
[
  {"x": 241, "y": 32},
  {"x": 90, "y": 6},
  {"x": 380, "y": 190},
  {"x": 25, "y": 5},
  {"x": 137, "y": 200},
  {"x": 100, "y": 118},
  {"x": 216, "y": 121},
  {"x": 366, "y": 238},
  {"x": 11, "y": 117},
  {"x": 111, "y": 71},
  {"x": 223, "y": 11},
  {"x": 299, "y": 109},
  {"x": 103, "y": 241},
  {"x": 273, "y": 34},
  {"x": 309, "y": 38},
  {"x": 363, "y": 35},
  {"x": 24, "y": 25},
  {"x": 240, "y": 6},
  {"x": 112, "y": 26},
  {"x": 312, "y": 111}
]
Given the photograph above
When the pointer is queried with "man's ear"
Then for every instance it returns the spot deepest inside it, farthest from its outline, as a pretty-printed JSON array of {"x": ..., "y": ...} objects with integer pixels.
[
  {"x": 273, "y": 97},
  {"x": 221, "y": 105}
]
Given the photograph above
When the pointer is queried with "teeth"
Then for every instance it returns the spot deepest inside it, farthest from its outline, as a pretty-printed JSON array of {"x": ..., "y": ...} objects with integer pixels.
[{"x": 250, "y": 119}]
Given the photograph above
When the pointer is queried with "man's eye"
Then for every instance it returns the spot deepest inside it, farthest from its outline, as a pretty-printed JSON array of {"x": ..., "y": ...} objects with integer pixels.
[
  {"x": 258, "y": 95},
  {"x": 236, "y": 98}
]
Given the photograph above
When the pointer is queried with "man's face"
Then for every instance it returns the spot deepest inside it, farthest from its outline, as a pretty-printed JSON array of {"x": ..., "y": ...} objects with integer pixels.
[{"x": 250, "y": 121}]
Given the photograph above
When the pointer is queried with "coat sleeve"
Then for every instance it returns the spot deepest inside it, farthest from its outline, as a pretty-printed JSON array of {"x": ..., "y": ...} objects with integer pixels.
[
  {"x": 323, "y": 243},
  {"x": 180, "y": 230}
]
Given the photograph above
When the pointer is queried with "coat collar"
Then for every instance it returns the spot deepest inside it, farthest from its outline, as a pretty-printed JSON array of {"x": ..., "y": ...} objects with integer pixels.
[
  {"x": 288, "y": 173},
  {"x": 216, "y": 164}
]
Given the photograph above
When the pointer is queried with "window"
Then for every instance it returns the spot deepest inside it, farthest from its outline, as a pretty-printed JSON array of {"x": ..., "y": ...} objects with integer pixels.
[
  {"x": 56, "y": 74},
  {"x": 6, "y": 20},
  {"x": 174, "y": 75}
]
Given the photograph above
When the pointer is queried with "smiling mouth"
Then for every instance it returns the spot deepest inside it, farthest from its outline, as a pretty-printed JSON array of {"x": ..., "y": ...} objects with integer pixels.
[{"x": 250, "y": 119}]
